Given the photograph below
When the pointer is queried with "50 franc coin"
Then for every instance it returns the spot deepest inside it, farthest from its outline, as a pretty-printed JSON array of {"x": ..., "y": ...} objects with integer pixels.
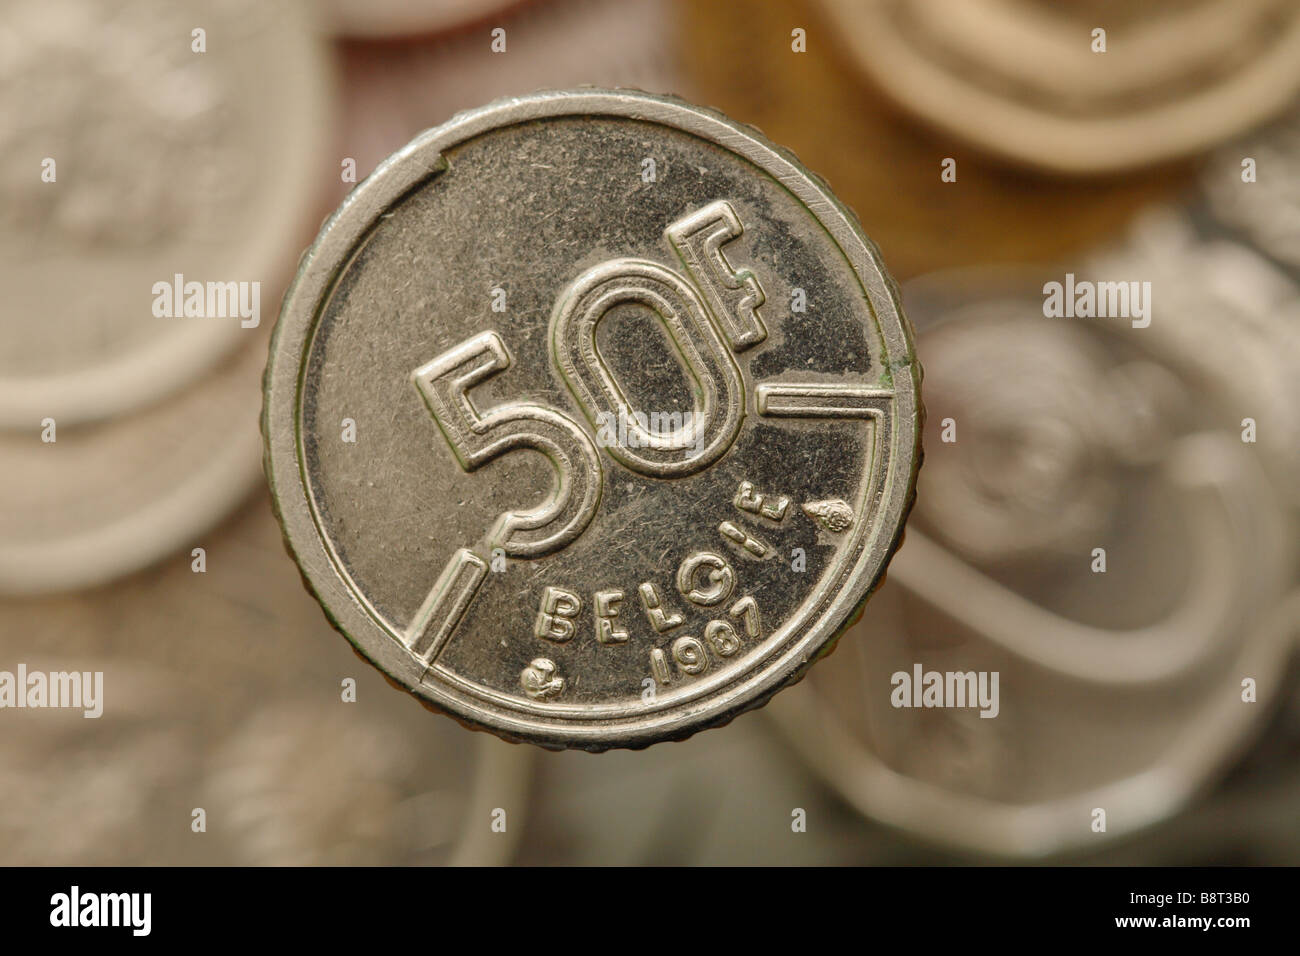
[{"x": 592, "y": 418}]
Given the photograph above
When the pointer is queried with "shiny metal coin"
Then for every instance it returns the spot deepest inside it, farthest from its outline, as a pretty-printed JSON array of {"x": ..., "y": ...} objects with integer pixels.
[
  {"x": 591, "y": 418},
  {"x": 1023, "y": 78},
  {"x": 146, "y": 143},
  {"x": 1120, "y": 691}
]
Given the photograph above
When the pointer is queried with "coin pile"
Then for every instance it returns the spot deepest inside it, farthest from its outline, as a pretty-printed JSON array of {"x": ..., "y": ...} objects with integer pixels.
[
  {"x": 592, "y": 419},
  {"x": 157, "y": 187}
]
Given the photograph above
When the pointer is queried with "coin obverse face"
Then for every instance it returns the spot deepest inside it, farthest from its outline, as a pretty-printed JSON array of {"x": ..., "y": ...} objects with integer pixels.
[{"x": 592, "y": 418}]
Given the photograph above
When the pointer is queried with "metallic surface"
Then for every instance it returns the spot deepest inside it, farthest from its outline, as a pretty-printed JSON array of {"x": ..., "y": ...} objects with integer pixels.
[
  {"x": 224, "y": 690},
  {"x": 512, "y": 280}
]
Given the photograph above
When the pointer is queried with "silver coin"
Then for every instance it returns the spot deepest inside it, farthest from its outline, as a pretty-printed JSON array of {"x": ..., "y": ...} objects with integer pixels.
[
  {"x": 706, "y": 359},
  {"x": 1120, "y": 691},
  {"x": 146, "y": 142}
]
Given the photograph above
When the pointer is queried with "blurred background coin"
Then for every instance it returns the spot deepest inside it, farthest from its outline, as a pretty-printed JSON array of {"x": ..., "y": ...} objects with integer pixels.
[
  {"x": 671, "y": 311},
  {"x": 145, "y": 141},
  {"x": 108, "y": 498},
  {"x": 83, "y": 791},
  {"x": 391, "y": 91},
  {"x": 1243, "y": 297},
  {"x": 162, "y": 165},
  {"x": 1094, "y": 531},
  {"x": 931, "y": 203},
  {"x": 1252, "y": 187},
  {"x": 218, "y": 695},
  {"x": 1035, "y": 82},
  {"x": 308, "y": 783}
]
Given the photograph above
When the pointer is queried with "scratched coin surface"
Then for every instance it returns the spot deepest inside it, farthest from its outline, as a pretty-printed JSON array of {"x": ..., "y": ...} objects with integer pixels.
[{"x": 591, "y": 418}]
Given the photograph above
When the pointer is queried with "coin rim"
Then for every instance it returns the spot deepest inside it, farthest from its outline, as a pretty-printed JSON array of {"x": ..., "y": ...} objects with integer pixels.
[{"x": 325, "y": 262}]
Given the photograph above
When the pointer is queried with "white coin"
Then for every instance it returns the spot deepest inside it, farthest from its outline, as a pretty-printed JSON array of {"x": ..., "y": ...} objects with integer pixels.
[
  {"x": 1117, "y": 688},
  {"x": 105, "y": 499},
  {"x": 145, "y": 139}
]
